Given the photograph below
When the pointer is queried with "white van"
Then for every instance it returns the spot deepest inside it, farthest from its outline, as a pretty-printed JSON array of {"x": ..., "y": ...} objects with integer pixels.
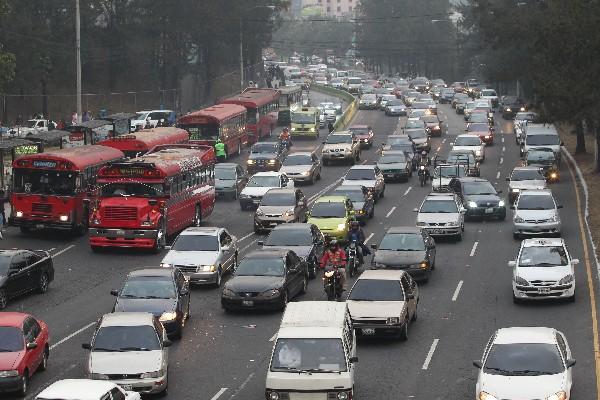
[
  {"x": 542, "y": 135},
  {"x": 314, "y": 356}
]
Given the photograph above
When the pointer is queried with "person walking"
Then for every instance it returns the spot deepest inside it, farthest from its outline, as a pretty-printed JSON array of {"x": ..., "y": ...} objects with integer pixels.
[
  {"x": 3, "y": 200},
  {"x": 220, "y": 151}
]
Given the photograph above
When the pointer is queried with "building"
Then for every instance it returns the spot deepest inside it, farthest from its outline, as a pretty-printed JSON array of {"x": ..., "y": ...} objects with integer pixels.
[{"x": 333, "y": 8}]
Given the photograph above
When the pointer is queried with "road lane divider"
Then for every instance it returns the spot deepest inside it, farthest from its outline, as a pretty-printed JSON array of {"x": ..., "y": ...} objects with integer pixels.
[
  {"x": 474, "y": 249},
  {"x": 272, "y": 339},
  {"x": 243, "y": 249},
  {"x": 245, "y": 237},
  {"x": 498, "y": 175},
  {"x": 501, "y": 160},
  {"x": 58, "y": 253},
  {"x": 369, "y": 237},
  {"x": 457, "y": 291},
  {"x": 503, "y": 148},
  {"x": 218, "y": 394},
  {"x": 407, "y": 190},
  {"x": 72, "y": 335},
  {"x": 430, "y": 354},
  {"x": 390, "y": 212}
]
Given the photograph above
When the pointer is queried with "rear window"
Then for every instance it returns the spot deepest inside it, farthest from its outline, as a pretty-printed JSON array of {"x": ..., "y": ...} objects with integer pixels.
[{"x": 376, "y": 290}]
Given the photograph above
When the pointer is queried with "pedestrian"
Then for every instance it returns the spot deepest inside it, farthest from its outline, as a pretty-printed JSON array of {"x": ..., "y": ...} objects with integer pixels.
[
  {"x": 86, "y": 116},
  {"x": 74, "y": 118},
  {"x": 3, "y": 200},
  {"x": 220, "y": 151},
  {"x": 61, "y": 124}
]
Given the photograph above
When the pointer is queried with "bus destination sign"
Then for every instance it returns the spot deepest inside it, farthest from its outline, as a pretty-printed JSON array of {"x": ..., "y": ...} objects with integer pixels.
[{"x": 44, "y": 164}]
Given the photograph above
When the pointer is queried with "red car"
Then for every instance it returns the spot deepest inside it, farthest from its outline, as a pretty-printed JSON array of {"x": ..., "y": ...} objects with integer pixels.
[
  {"x": 484, "y": 131},
  {"x": 24, "y": 349},
  {"x": 364, "y": 133}
]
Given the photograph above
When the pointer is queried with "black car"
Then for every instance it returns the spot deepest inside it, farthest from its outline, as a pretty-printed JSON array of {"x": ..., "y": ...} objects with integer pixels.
[
  {"x": 511, "y": 105},
  {"x": 230, "y": 179},
  {"x": 408, "y": 248},
  {"x": 23, "y": 271},
  {"x": 395, "y": 166},
  {"x": 265, "y": 156},
  {"x": 266, "y": 279},
  {"x": 306, "y": 240},
  {"x": 479, "y": 197},
  {"x": 362, "y": 200},
  {"x": 163, "y": 292}
]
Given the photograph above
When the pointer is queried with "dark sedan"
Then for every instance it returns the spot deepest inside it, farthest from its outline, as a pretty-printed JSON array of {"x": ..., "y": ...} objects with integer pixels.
[
  {"x": 479, "y": 197},
  {"x": 230, "y": 179},
  {"x": 361, "y": 198},
  {"x": 265, "y": 279},
  {"x": 395, "y": 166},
  {"x": 163, "y": 292},
  {"x": 433, "y": 125},
  {"x": 408, "y": 248},
  {"x": 306, "y": 240},
  {"x": 511, "y": 105},
  {"x": 265, "y": 156},
  {"x": 23, "y": 271}
]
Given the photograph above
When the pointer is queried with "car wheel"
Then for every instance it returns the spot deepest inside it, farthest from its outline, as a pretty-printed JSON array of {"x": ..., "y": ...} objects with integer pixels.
[
  {"x": 319, "y": 175},
  {"x": 243, "y": 207},
  {"x": 403, "y": 335},
  {"x": 459, "y": 236},
  {"x": 219, "y": 277},
  {"x": 25, "y": 229},
  {"x": 3, "y": 299},
  {"x": 304, "y": 288},
  {"x": 352, "y": 161},
  {"x": 43, "y": 283},
  {"x": 516, "y": 236},
  {"x": 312, "y": 179},
  {"x": 44, "y": 364},
  {"x": 382, "y": 192},
  {"x": 572, "y": 298},
  {"x": 24, "y": 384},
  {"x": 325, "y": 162},
  {"x": 372, "y": 213}
]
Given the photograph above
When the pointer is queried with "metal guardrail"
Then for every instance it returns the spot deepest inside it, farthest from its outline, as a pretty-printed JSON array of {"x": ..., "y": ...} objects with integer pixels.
[{"x": 350, "y": 110}]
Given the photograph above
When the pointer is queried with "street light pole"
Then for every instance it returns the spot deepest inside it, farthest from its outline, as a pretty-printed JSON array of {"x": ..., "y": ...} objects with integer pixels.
[
  {"x": 78, "y": 51},
  {"x": 241, "y": 54}
]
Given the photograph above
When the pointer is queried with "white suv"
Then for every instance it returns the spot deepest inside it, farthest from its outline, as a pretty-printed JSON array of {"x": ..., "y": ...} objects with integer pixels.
[
  {"x": 442, "y": 214},
  {"x": 543, "y": 269}
]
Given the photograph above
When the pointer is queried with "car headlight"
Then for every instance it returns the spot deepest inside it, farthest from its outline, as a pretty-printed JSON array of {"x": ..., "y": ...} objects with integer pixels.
[
  {"x": 250, "y": 162},
  {"x": 228, "y": 293},
  {"x": 423, "y": 265},
  {"x": 566, "y": 279},
  {"x": 508, "y": 110},
  {"x": 289, "y": 213},
  {"x": 521, "y": 281},
  {"x": 63, "y": 218},
  {"x": 421, "y": 223},
  {"x": 558, "y": 396},
  {"x": 272, "y": 162},
  {"x": 341, "y": 227},
  {"x": 146, "y": 223},
  {"x": 101, "y": 377},
  {"x": 553, "y": 218},
  {"x": 393, "y": 321},
  {"x": 501, "y": 203},
  {"x": 486, "y": 396},
  {"x": 472, "y": 204},
  {"x": 270, "y": 293},
  {"x": 166, "y": 265},
  {"x": 293, "y": 129},
  {"x": 19, "y": 214},
  {"x": 168, "y": 316},
  {"x": 515, "y": 190},
  {"x": 95, "y": 221},
  {"x": 342, "y": 396},
  {"x": 259, "y": 212},
  {"x": 305, "y": 173},
  {"x": 312, "y": 129},
  {"x": 155, "y": 374},
  {"x": 244, "y": 196},
  {"x": 9, "y": 373},
  {"x": 208, "y": 268},
  {"x": 522, "y": 108},
  {"x": 519, "y": 219},
  {"x": 273, "y": 396}
]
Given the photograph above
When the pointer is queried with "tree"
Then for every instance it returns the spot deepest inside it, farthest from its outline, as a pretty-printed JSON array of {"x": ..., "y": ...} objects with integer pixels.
[{"x": 7, "y": 60}]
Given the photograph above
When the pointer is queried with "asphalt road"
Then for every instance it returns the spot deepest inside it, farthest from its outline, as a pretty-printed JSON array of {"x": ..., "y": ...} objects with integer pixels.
[{"x": 225, "y": 356}]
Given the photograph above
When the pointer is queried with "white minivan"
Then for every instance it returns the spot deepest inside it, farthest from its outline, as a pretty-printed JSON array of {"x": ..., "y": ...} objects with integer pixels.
[
  {"x": 315, "y": 352},
  {"x": 542, "y": 136}
]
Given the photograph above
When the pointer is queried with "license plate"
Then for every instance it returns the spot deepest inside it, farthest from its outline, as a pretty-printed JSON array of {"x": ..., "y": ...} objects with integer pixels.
[
  {"x": 256, "y": 201},
  {"x": 544, "y": 290},
  {"x": 127, "y": 387},
  {"x": 120, "y": 232},
  {"x": 389, "y": 175},
  {"x": 39, "y": 226},
  {"x": 489, "y": 210},
  {"x": 436, "y": 230},
  {"x": 247, "y": 303},
  {"x": 368, "y": 331}
]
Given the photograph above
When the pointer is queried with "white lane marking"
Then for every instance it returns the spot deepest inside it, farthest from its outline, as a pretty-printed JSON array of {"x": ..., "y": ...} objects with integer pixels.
[
  {"x": 407, "y": 190},
  {"x": 457, "y": 291},
  {"x": 247, "y": 246},
  {"x": 364, "y": 162},
  {"x": 273, "y": 337},
  {"x": 503, "y": 148},
  {"x": 58, "y": 253},
  {"x": 245, "y": 237},
  {"x": 498, "y": 175},
  {"x": 438, "y": 149},
  {"x": 501, "y": 160},
  {"x": 71, "y": 336},
  {"x": 443, "y": 141},
  {"x": 390, "y": 212},
  {"x": 325, "y": 189},
  {"x": 503, "y": 139},
  {"x": 242, "y": 386},
  {"x": 369, "y": 237},
  {"x": 219, "y": 393},
  {"x": 52, "y": 249},
  {"x": 474, "y": 249},
  {"x": 430, "y": 354}
]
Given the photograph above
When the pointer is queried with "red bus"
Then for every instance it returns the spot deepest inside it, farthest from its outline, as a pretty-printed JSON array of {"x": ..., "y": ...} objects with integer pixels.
[
  {"x": 140, "y": 142},
  {"x": 263, "y": 109},
  {"x": 140, "y": 202},
  {"x": 49, "y": 189},
  {"x": 224, "y": 121}
]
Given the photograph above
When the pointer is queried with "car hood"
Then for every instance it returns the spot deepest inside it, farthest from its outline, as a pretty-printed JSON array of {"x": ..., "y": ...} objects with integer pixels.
[
  {"x": 295, "y": 169},
  {"x": 301, "y": 251},
  {"x": 359, "y": 182},
  {"x": 326, "y": 223},
  {"x": 522, "y": 387},
  {"x": 257, "y": 190},
  {"x": 397, "y": 165},
  {"x": 440, "y": 181},
  {"x": 391, "y": 257},
  {"x": 191, "y": 257},
  {"x": 275, "y": 210},
  {"x": 330, "y": 146},
  {"x": 153, "y": 306},
  {"x": 466, "y": 148},
  {"x": 127, "y": 362},
  {"x": 396, "y": 107},
  {"x": 262, "y": 156},
  {"x": 10, "y": 360},
  {"x": 483, "y": 198},
  {"x": 543, "y": 273},
  {"x": 224, "y": 183},
  {"x": 254, "y": 283},
  {"x": 536, "y": 214},
  {"x": 532, "y": 184},
  {"x": 419, "y": 140},
  {"x": 375, "y": 309},
  {"x": 437, "y": 217}
]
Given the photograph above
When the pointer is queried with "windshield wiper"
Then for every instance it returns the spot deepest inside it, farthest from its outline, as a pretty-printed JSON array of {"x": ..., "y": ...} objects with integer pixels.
[
  {"x": 105, "y": 349},
  {"x": 543, "y": 265},
  {"x": 529, "y": 372},
  {"x": 360, "y": 299},
  {"x": 502, "y": 371},
  {"x": 7, "y": 350},
  {"x": 316, "y": 370},
  {"x": 133, "y": 348}
]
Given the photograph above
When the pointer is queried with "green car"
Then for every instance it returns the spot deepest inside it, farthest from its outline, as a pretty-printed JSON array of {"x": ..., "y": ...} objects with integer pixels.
[{"x": 332, "y": 215}]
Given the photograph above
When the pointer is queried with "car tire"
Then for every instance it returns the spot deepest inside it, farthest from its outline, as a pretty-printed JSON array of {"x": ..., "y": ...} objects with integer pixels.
[
  {"x": 372, "y": 213},
  {"x": 219, "y": 277},
  {"x": 24, "y": 384},
  {"x": 571, "y": 299},
  {"x": 382, "y": 192},
  {"x": 43, "y": 283},
  {"x": 516, "y": 236},
  {"x": 319, "y": 175},
  {"x": 325, "y": 162},
  {"x": 44, "y": 363},
  {"x": 516, "y": 300},
  {"x": 403, "y": 335},
  {"x": 25, "y": 229},
  {"x": 459, "y": 237},
  {"x": 243, "y": 207}
]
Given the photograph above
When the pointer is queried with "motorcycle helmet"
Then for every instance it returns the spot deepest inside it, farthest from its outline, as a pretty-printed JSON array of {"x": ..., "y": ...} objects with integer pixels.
[
  {"x": 354, "y": 224},
  {"x": 424, "y": 153},
  {"x": 285, "y": 129},
  {"x": 333, "y": 244}
]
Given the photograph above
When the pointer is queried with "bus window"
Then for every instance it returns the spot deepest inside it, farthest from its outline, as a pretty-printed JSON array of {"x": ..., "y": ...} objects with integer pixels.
[
  {"x": 44, "y": 182},
  {"x": 203, "y": 132}
]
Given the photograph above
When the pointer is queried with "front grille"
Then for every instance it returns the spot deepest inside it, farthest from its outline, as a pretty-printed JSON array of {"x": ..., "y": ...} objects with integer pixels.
[
  {"x": 187, "y": 268},
  {"x": 41, "y": 208},
  {"x": 119, "y": 213},
  {"x": 543, "y": 283},
  {"x": 123, "y": 376},
  {"x": 437, "y": 224},
  {"x": 248, "y": 294},
  {"x": 273, "y": 215},
  {"x": 488, "y": 204},
  {"x": 371, "y": 321},
  {"x": 536, "y": 221}
]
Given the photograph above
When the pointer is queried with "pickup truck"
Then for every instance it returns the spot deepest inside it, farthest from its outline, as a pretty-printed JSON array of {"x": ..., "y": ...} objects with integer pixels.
[{"x": 32, "y": 126}]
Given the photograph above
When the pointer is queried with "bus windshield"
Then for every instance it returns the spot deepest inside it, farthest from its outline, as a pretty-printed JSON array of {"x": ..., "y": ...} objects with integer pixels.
[
  {"x": 135, "y": 189},
  {"x": 45, "y": 182},
  {"x": 299, "y": 118},
  {"x": 202, "y": 132}
]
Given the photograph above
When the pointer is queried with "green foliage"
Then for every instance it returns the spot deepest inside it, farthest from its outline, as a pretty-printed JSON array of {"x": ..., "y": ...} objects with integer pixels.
[{"x": 7, "y": 60}]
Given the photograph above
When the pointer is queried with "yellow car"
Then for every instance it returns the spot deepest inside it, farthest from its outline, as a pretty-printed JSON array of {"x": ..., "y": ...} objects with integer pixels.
[
  {"x": 332, "y": 215},
  {"x": 305, "y": 123}
]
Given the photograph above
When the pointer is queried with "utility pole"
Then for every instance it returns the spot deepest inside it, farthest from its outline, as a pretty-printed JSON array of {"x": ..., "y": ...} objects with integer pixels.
[
  {"x": 241, "y": 54},
  {"x": 78, "y": 51}
]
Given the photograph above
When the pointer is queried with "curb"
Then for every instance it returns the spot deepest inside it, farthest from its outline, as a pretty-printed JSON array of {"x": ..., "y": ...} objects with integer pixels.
[{"x": 586, "y": 209}]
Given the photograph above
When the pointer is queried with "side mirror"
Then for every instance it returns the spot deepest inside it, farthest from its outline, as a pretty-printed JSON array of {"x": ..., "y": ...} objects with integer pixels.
[
  {"x": 31, "y": 345},
  {"x": 559, "y": 206},
  {"x": 261, "y": 242},
  {"x": 167, "y": 343},
  {"x": 86, "y": 346},
  {"x": 463, "y": 210},
  {"x": 478, "y": 364},
  {"x": 416, "y": 210},
  {"x": 570, "y": 362},
  {"x": 353, "y": 359},
  {"x": 574, "y": 261},
  {"x": 114, "y": 292},
  {"x": 512, "y": 263}
]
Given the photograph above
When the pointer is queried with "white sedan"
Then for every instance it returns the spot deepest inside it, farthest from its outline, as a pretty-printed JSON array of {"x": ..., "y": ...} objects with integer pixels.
[
  {"x": 525, "y": 363},
  {"x": 470, "y": 143}
]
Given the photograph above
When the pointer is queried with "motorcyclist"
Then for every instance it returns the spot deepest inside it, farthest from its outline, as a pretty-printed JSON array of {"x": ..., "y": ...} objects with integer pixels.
[
  {"x": 425, "y": 160},
  {"x": 285, "y": 136},
  {"x": 356, "y": 234},
  {"x": 336, "y": 257},
  {"x": 220, "y": 150}
]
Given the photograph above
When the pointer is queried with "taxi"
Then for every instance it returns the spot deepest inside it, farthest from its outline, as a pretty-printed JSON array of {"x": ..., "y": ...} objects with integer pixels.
[{"x": 332, "y": 215}]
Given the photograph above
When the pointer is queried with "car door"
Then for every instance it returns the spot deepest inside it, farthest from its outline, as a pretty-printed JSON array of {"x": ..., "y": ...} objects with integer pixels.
[
  {"x": 292, "y": 275},
  {"x": 183, "y": 294},
  {"x": 32, "y": 333},
  {"x": 17, "y": 275},
  {"x": 225, "y": 242},
  {"x": 34, "y": 270},
  {"x": 408, "y": 292}
]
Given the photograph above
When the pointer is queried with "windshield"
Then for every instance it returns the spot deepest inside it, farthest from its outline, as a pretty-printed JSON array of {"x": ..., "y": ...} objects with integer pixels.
[
  {"x": 396, "y": 140},
  {"x": 481, "y": 188},
  {"x": 376, "y": 290},
  {"x": 278, "y": 199},
  {"x": 369, "y": 97},
  {"x": 328, "y": 210},
  {"x": 430, "y": 119},
  {"x": 477, "y": 127},
  {"x": 461, "y": 158},
  {"x": 354, "y": 81},
  {"x": 467, "y": 141},
  {"x": 126, "y": 338},
  {"x": 289, "y": 237},
  {"x": 265, "y": 148},
  {"x": 261, "y": 267},
  {"x": 263, "y": 181},
  {"x": 529, "y": 202},
  {"x": 140, "y": 115},
  {"x": 132, "y": 189},
  {"x": 526, "y": 175},
  {"x": 11, "y": 339},
  {"x": 449, "y": 172},
  {"x": 525, "y": 116},
  {"x": 524, "y": 359},
  {"x": 402, "y": 242},
  {"x": 395, "y": 102},
  {"x": 543, "y": 140},
  {"x": 478, "y": 117},
  {"x": 417, "y": 134},
  {"x": 148, "y": 287},
  {"x": 439, "y": 206},
  {"x": 360, "y": 174},
  {"x": 44, "y": 182},
  {"x": 353, "y": 195},
  {"x": 202, "y": 132},
  {"x": 391, "y": 159},
  {"x": 31, "y": 123},
  {"x": 417, "y": 113},
  {"x": 298, "y": 159},
  {"x": 196, "y": 243},
  {"x": 488, "y": 93},
  {"x": 310, "y": 355},
  {"x": 543, "y": 256},
  {"x": 359, "y": 131},
  {"x": 540, "y": 156},
  {"x": 226, "y": 174},
  {"x": 413, "y": 123},
  {"x": 299, "y": 118},
  {"x": 335, "y": 139}
]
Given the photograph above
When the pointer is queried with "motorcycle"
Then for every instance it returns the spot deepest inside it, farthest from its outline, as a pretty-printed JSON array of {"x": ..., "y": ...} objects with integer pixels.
[
  {"x": 353, "y": 260},
  {"x": 332, "y": 283},
  {"x": 285, "y": 144},
  {"x": 423, "y": 175}
]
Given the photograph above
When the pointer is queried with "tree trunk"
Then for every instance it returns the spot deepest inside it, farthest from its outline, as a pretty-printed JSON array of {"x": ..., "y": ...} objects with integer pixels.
[{"x": 580, "y": 148}]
